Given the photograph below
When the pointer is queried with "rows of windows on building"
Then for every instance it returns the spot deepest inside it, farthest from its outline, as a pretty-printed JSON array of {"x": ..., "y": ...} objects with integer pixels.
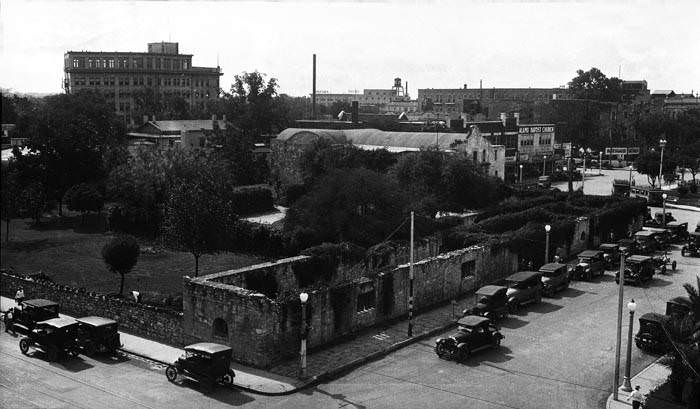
[{"x": 149, "y": 63}]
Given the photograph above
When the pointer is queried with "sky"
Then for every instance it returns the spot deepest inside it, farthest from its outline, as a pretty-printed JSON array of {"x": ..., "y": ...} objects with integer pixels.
[{"x": 431, "y": 44}]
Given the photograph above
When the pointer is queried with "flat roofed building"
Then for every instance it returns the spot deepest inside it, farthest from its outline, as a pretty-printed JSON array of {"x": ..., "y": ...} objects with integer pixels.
[{"x": 121, "y": 75}]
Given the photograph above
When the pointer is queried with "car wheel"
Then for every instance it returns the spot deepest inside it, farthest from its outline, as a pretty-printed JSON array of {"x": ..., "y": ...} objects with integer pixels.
[
  {"x": 171, "y": 373},
  {"x": 24, "y": 345},
  {"x": 440, "y": 350},
  {"x": 228, "y": 378},
  {"x": 673, "y": 265}
]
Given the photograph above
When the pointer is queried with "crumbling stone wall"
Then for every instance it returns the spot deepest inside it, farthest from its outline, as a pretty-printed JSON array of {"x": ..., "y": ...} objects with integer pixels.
[{"x": 160, "y": 324}]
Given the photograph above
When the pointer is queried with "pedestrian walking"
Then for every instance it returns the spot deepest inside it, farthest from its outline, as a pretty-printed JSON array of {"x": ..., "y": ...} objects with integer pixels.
[
  {"x": 636, "y": 397},
  {"x": 557, "y": 259},
  {"x": 19, "y": 296}
]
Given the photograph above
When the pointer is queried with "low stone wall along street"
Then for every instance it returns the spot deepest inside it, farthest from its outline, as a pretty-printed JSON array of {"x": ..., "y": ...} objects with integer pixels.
[{"x": 160, "y": 324}]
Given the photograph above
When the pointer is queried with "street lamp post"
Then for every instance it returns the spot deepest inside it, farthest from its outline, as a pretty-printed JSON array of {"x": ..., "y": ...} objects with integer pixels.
[
  {"x": 663, "y": 215},
  {"x": 544, "y": 165},
  {"x": 662, "y": 144},
  {"x": 583, "y": 175},
  {"x": 521, "y": 176},
  {"x": 600, "y": 162},
  {"x": 303, "y": 297},
  {"x": 626, "y": 385},
  {"x": 547, "y": 228}
]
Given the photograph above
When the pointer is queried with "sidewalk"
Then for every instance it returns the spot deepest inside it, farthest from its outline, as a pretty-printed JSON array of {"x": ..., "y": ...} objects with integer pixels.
[
  {"x": 648, "y": 379},
  {"x": 322, "y": 364}
]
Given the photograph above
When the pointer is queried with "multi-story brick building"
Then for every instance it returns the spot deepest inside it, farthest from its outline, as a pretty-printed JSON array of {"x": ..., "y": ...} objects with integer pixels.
[{"x": 120, "y": 76}]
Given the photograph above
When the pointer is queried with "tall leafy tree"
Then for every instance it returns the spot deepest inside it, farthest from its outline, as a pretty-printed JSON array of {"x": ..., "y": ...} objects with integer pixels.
[
  {"x": 10, "y": 196},
  {"x": 251, "y": 104},
  {"x": 648, "y": 164},
  {"x": 593, "y": 84},
  {"x": 70, "y": 134},
  {"x": 355, "y": 205},
  {"x": 121, "y": 254},
  {"x": 84, "y": 198},
  {"x": 197, "y": 220}
]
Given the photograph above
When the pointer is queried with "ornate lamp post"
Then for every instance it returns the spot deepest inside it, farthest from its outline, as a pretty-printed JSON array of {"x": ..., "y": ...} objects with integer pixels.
[
  {"x": 521, "y": 176},
  {"x": 626, "y": 385},
  {"x": 663, "y": 215},
  {"x": 547, "y": 228},
  {"x": 303, "y": 297},
  {"x": 544, "y": 165},
  {"x": 662, "y": 144},
  {"x": 583, "y": 175}
]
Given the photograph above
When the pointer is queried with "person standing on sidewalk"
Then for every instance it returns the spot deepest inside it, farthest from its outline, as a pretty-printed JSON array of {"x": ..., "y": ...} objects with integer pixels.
[
  {"x": 19, "y": 296},
  {"x": 636, "y": 397}
]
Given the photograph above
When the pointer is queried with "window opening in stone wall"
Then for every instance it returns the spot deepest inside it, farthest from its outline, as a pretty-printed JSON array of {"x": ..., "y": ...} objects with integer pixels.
[
  {"x": 366, "y": 300},
  {"x": 220, "y": 328},
  {"x": 468, "y": 268}
]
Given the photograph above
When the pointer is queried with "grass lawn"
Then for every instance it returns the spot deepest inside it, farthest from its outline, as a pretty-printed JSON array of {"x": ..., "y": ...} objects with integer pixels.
[{"x": 71, "y": 255}]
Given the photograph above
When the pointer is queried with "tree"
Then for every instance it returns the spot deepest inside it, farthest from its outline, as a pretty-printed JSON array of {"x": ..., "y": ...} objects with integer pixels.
[
  {"x": 251, "y": 104},
  {"x": 84, "y": 198},
  {"x": 355, "y": 205},
  {"x": 648, "y": 164},
  {"x": 121, "y": 254},
  {"x": 197, "y": 220},
  {"x": 10, "y": 197},
  {"x": 593, "y": 84},
  {"x": 70, "y": 134},
  {"x": 33, "y": 201}
]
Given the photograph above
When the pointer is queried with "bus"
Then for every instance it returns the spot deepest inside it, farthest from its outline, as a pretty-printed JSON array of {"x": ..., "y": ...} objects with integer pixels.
[{"x": 651, "y": 194}]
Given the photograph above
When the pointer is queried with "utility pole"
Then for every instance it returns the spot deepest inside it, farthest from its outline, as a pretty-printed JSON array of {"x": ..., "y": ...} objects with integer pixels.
[
  {"x": 618, "y": 343},
  {"x": 410, "y": 285}
]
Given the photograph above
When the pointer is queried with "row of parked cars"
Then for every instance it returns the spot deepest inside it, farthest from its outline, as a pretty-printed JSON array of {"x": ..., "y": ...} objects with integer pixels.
[
  {"x": 38, "y": 321},
  {"x": 476, "y": 330},
  {"x": 41, "y": 328}
]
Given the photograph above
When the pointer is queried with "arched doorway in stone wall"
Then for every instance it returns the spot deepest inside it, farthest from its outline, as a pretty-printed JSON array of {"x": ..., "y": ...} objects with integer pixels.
[{"x": 220, "y": 328}]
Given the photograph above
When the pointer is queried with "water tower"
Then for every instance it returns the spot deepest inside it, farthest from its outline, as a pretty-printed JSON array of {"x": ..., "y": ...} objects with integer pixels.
[{"x": 398, "y": 88}]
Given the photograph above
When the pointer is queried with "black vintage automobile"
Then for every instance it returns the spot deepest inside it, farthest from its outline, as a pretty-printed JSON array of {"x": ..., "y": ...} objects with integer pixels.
[
  {"x": 692, "y": 249},
  {"x": 56, "y": 337},
  {"x": 662, "y": 236},
  {"x": 680, "y": 306},
  {"x": 611, "y": 255},
  {"x": 97, "y": 334},
  {"x": 638, "y": 269},
  {"x": 524, "y": 287},
  {"x": 651, "y": 336},
  {"x": 678, "y": 230},
  {"x": 555, "y": 276},
  {"x": 590, "y": 263},
  {"x": 206, "y": 362},
  {"x": 646, "y": 243},
  {"x": 628, "y": 247},
  {"x": 492, "y": 302},
  {"x": 474, "y": 333},
  {"x": 22, "y": 319}
]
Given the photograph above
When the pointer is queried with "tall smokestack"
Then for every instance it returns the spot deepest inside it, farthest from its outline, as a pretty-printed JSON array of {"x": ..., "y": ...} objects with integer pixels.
[
  {"x": 313, "y": 93},
  {"x": 407, "y": 88}
]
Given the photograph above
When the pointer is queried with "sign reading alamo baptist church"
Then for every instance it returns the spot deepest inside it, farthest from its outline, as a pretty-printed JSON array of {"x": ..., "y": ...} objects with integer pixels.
[{"x": 536, "y": 129}]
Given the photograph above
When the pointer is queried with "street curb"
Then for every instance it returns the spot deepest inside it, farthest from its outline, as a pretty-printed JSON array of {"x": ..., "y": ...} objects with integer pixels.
[
  {"x": 333, "y": 373},
  {"x": 610, "y": 399}
]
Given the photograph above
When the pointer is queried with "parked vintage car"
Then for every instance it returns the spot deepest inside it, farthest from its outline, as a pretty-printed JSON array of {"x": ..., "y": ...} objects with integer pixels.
[
  {"x": 97, "y": 334},
  {"x": 658, "y": 220},
  {"x": 628, "y": 247},
  {"x": 22, "y": 319},
  {"x": 679, "y": 231},
  {"x": 544, "y": 182},
  {"x": 646, "y": 243},
  {"x": 492, "y": 302},
  {"x": 679, "y": 306},
  {"x": 662, "y": 236},
  {"x": 692, "y": 249},
  {"x": 611, "y": 255},
  {"x": 206, "y": 362},
  {"x": 638, "y": 269},
  {"x": 555, "y": 276},
  {"x": 590, "y": 263},
  {"x": 56, "y": 337},
  {"x": 474, "y": 333},
  {"x": 523, "y": 287},
  {"x": 651, "y": 336}
]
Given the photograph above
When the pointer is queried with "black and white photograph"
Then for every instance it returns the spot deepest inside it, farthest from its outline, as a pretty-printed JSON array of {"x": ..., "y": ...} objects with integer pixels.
[{"x": 319, "y": 204}]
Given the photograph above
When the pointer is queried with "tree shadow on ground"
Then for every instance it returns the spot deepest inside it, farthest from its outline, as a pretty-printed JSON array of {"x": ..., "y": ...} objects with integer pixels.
[
  {"x": 342, "y": 400},
  {"x": 229, "y": 395}
]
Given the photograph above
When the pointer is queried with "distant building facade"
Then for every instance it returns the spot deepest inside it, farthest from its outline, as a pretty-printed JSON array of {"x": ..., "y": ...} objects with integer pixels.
[
  {"x": 184, "y": 134},
  {"x": 122, "y": 76},
  {"x": 394, "y": 100}
]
